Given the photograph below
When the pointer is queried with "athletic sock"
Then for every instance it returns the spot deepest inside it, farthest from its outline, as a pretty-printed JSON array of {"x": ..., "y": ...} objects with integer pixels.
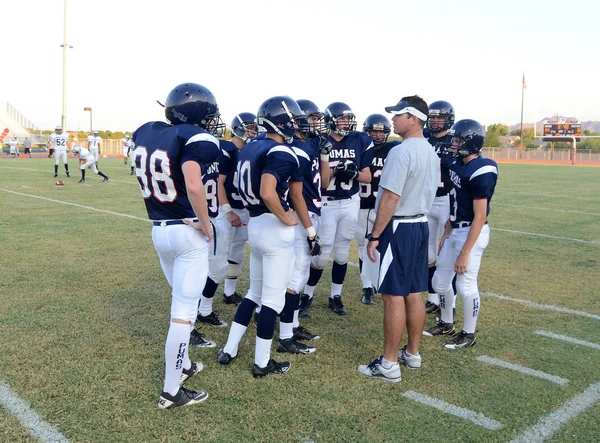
[{"x": 176, "y": 354}]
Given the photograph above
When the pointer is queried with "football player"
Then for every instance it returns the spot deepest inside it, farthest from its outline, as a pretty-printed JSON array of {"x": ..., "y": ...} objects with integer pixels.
[
  {"x": 14, "y": 147},
  {"x": 130, "y": 148},
  {"x": 87, "y": 160},
  {"x": 60, "y": 143},
  {"x": 349, "y": 161},
  {"x": 125, "y": 147},
  {"x": 264, "y": 168},
  {"x": 441, "y": 119},
  {"x": 467, "y": 233},
  {"x": 378, "y": 126},
  {"x": 94, "y": 145},
  {"x": 170, "y": 160},
  {"x": 233, "y": 217}
]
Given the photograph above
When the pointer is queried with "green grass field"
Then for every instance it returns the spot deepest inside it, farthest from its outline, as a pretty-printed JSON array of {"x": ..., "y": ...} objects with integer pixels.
[{"x": 85, "y": 311}]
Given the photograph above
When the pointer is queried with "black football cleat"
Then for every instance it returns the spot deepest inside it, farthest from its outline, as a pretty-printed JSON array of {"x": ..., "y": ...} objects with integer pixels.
[
  {"x": 184, "y": 397},
  {"x": 336, "y": 305},
  {"x": 200, "y": 341},
  {"x": 272, "y": 368},
  {"x": 367, "y": 298},
  {"x": 186, "y": 374},
  {"x": 211, "y": 319},
  {"x": 293, "y": 346},
  {"x": 305, "y": 302},
  {"x": 233, "y": 299},
  {"x": 223, "y": 358},
  {"x": 301, "y": 333}
]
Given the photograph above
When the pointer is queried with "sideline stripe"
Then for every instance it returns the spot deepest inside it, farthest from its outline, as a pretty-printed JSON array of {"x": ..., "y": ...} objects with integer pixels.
[
  {"x": 550, "y": 195},
  {"x": 568, "y": 339},
  {"x": 522, "y": 369},
  {"x": 76, "y": 205},
  {"x": 457, "y": 411},
  {"x": 551, "y": 423},
  {"x": 592, "y": 242},
  {"x": 545, "y": 307},
  {"x": 37, "y": 427},
  {"x": 570, "y": 211}
]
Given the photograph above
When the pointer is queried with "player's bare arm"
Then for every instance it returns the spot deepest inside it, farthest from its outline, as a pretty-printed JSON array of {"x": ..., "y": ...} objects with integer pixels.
[
  {"x": 364, "y": 175},
  {"x": 197, "y": 197},
  {"x": 233, "y": 219},
  {"x": 268, "y": 193},
  {"x": 479, "y": 218},
  {"x": 300, "y": 204},
  {"x": 385, "y": 211}
]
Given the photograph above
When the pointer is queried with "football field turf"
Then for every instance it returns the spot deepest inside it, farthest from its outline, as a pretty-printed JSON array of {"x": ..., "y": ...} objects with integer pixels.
[{"x": 85, "y": 311}]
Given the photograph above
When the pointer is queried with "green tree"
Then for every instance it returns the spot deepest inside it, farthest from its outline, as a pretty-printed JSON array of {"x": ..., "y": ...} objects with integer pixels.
[
  {"x": 492, "y": 139},
  {"x": 500, "y": 128},
  {"x": 589, "y": 132}
]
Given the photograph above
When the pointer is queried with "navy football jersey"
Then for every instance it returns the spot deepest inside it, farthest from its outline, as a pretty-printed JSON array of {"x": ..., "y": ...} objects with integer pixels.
[
  {"x": 309, "y": 172},
  {"x": 356, "y": 147},
  {"x": 442, "y": 149},
  {"x": 260, "y": 157},
  {"x": 161, "y": 150},
  {"x": 368, "y": 191},
  {"x": 228, "y": 167},
  {"x": 210, "y": 180},
  {"x": 475, "y": 180}
]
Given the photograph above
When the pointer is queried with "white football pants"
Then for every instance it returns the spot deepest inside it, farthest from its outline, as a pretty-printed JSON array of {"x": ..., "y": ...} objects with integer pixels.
[{"x": 437, "y": 218}]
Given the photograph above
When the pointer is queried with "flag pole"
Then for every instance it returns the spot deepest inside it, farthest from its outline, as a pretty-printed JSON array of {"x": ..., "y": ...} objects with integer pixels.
[{"x": 522, "y": 103}]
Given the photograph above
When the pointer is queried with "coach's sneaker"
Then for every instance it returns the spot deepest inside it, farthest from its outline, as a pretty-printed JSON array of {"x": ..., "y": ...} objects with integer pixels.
[
  {"x": 293, "y": 346},
  {"x": 223, "y": 358},
  {"x": 211, "y": 319},
  {"x": 431, "y": 308},
  {"x": 186, "y": 374},
  {"x": 409, "y": 360},
  {"x": 106, "y": 179},
  {"x": 305, "y": 302},
  {"x": 336, "y": 305},
  {"x": 184, "y": 397},
  {"x": 233, "y": 299},
  {"x": 462, "y": 340},
  {"x": 367, "y": 298},
  {"x": 272, "y": 367},
  {"x": 82, "y": 181},
  {"x": 200, "y": 341},
  {"x": 376, "y": 370},
  {"x": 301, "y": 333},
  {"x": 440, "y": 328}
]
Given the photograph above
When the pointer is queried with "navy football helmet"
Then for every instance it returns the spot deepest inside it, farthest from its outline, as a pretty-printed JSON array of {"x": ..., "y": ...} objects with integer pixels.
[
  {"x": 312, "y": 124},
  {"x": 194, "y": 104},
  {"x": 244, "y": 125},
  {"x": 440, "y": 109},
  {"x": 279, "y": 115},
  {"x": 336, "y": 111},
  {"x": 379, "y": 123},
  {"x": 467, "y": 138}
]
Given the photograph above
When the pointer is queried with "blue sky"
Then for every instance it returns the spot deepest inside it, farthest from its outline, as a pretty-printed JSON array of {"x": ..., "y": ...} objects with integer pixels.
[{"x": 368, "y": 54}]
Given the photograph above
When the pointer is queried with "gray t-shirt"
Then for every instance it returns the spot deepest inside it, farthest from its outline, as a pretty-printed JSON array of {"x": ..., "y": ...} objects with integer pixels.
[
  {"x": 412, "y": 171},
  {"x": 27, "y": 144}
]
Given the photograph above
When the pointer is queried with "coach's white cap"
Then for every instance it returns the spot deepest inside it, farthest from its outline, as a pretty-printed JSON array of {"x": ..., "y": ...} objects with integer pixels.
[{"x": 403, "y": 107}]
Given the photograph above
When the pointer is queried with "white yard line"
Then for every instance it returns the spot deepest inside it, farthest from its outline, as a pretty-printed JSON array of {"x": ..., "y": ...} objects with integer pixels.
[
  {"x": 532, "y": 194},
  {"x": 556, "y": 237},
  {"x": 36, "y": 426},
  {"x": 541, "y": 306},
  {"x": 457, "y": 411},
  {"x": 568, "y": 339},
  {"x": 551, "y": 423},
  {"x": 569, "y": 211},
  {"x": 522, "y": 369}
]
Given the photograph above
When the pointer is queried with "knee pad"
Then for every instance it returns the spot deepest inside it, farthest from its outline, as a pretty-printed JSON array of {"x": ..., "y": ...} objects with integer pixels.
[
  {"x": 341, "y": 257},
  {"x": 320, "y": 261},
  {"x": 441, "y": 284},
  {"x": 466, "y": 288},
  {"x": 234, "y": 270},
  {"x": 276, "y": 303}
]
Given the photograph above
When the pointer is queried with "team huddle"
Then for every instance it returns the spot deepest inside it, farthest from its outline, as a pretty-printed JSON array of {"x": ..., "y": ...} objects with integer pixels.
[{"x": 297, "y": 185}]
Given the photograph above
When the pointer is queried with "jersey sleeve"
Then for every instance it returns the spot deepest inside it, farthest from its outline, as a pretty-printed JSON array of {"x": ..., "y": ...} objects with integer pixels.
[
  {"x": 483, "y": 181},
  {"x": 395, "y": 171},
  {"x": 305, "y": 165},
  {"x": 202, "y": 148},
  {"x": 368, "y": 151},
  {"x": 281, "y": 162}
]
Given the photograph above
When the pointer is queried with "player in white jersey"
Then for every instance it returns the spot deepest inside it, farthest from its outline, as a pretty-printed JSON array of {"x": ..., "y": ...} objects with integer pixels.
[
  {"x": 87, "y": 160},
  {"x": 130, "y": 148},
  {"x": 125, "y": 147},
  {"x": 14, "y": 147},
  {"x": 59, "y": 142},
  {"x": 94, "y": 145}
]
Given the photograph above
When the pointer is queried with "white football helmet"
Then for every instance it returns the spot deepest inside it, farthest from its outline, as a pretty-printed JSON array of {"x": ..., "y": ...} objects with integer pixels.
[{"x": 76, "y": 150}]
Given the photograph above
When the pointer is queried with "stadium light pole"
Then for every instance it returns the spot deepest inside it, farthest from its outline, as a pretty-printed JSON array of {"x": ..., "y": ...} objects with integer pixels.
[
  {"x": 89, "y": 109},
  {"x": 65, "y": 46}
]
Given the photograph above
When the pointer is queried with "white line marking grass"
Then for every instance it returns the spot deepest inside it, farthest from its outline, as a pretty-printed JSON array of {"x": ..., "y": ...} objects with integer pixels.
[
  {"x": 568, "y": 339},
  {"x": 569, "y": 211},
  {"x": 550, "y": 195},
  {"x": 541, "y": 306},
  {"x": 447, "y": 408},
  {"x": 556, "y": 237},
  {"x": 37, "y": 427},
  {"x": 551, "y": 423},
  {"x": 522, "y": 369}
]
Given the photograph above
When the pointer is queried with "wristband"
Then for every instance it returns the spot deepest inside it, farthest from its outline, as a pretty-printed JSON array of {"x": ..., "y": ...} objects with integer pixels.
[
  {"x": 373, "y": 238},
  {"x": 311, "y": 232},
  {"x": 226, "y": 208},
  {"x": 324, "y": 157}
]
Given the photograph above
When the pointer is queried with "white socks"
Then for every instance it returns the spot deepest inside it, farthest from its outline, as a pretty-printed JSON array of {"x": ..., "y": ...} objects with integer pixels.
[{"x": 176, "y": 355}]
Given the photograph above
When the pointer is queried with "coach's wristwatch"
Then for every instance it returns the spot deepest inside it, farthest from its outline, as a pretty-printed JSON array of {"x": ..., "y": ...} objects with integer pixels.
[{"x": 372, "y": 238}]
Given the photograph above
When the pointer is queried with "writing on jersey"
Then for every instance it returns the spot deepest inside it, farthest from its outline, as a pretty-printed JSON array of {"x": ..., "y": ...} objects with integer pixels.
[
  {"x": 264, "y": 156},
  {"x": 442, "y": 148},
  {"x": 94, "y": 141},
  {"x": 59, "y": 141},
  {"x": 368, "y": 191},
  {"x": 309, "y": 172},
  {"x": 475, "y": 180},
  {"x": 228, "y": 168},
  {"x": 210, "y": 180},
  {"x": 160, "y": 152},
  {"x": 356, "y": 147}
]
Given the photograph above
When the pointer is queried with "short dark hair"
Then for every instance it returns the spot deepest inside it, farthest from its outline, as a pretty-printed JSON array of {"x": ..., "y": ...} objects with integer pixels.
[{"x": 419, "y": 104}]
